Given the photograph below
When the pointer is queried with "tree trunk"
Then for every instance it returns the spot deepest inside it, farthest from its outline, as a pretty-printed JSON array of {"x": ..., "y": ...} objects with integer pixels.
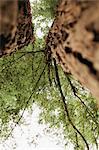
[
  {"x": 16, "y": 29},
  {"x": 74, "y": 41}
]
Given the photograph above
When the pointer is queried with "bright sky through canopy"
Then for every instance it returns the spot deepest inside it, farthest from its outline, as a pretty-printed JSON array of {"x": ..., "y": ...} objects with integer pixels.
[{"x": 30, "y": 136}]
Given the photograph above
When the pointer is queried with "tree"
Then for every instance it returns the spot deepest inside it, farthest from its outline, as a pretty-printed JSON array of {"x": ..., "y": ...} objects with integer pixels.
[
  {"x": 16, "y": 30},
  {"x": 32, "y": 75},
  {"x": 74, "y": 40}
]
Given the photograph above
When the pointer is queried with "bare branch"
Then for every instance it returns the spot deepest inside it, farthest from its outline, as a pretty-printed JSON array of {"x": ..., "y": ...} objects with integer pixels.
[
  {"x": 82, "y": 102},
  {"x": 27, "y": 102},
  {"x": 65, "y": 105}
]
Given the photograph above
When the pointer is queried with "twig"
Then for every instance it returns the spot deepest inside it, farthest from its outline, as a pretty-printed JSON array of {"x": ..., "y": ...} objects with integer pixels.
[
  {"x": 77, "y": 145},
  {"x": 23, "y": 54},
  {"x": 27, "y": 103},
  {"x": 65, "y": 105},
  {"x": 31, "y": 52},
  {"x": 75, "y": 94}
]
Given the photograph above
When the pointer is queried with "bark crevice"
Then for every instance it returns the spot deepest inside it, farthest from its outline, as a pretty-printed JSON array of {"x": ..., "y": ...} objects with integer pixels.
[{"x": 74, "y": 41}]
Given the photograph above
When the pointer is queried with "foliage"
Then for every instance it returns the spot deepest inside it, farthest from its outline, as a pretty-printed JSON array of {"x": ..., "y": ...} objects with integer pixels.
[
  {"x": 43, "y": 14},
  {"x": 19, "y": 75},
  {"x": 24, "y": 80},
  {"x": 45, "y": 8},
  {"x": 84, "y": 117}
]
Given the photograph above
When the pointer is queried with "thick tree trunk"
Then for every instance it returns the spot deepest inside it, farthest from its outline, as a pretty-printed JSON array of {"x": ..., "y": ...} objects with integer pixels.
[
  {"x": 74, "y": 40},
  {"x": 16, "y": 29}
]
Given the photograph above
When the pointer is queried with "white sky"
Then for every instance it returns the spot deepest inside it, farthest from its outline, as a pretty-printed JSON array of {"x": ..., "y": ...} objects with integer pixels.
[{"x": 31, "y": 136}]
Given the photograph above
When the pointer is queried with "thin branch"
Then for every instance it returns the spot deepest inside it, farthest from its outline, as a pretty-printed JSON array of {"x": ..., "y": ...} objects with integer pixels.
[
  {"x": 49, "y": 73},
  {"x": 87, "y": 109},
  {"x": 31, "y": 52},
  {"x": 27, "y": 102},
  {"x": 13, "y": 61},
  {"x": 77, "y": 145},
  {"x": 65, "y": 105},
  {"x": 23, "y": 54}
]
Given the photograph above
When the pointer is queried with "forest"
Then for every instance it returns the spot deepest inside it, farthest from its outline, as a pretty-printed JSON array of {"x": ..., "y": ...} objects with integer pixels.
[{"x": 49, "y": 56}]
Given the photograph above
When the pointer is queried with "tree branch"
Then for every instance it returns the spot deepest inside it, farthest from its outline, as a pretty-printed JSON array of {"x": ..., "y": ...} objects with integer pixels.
[
  {"x": 27, "y": 103},
  {"x": 82, "y": 102},
  {"x": 65, "y": 105},
  {"x": 77, "y": 145}
]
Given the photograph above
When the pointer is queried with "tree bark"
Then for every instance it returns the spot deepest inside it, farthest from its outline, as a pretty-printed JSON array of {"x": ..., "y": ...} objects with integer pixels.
[
  {"x": 16, "y": 30},
  {"x": 74, "y": 41}
]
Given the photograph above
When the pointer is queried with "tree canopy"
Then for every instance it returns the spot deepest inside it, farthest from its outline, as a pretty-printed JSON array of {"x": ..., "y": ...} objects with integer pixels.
[{"x": 27, "y": 77}]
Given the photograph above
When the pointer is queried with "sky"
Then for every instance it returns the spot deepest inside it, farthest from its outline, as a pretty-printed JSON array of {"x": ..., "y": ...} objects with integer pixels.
[{"x": 32, "y": 136}]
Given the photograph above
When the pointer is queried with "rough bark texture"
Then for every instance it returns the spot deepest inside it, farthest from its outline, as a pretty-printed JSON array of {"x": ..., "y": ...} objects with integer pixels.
[
  {"x": 16, "y": 29},
  {"x": 74, "y": 40}
]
